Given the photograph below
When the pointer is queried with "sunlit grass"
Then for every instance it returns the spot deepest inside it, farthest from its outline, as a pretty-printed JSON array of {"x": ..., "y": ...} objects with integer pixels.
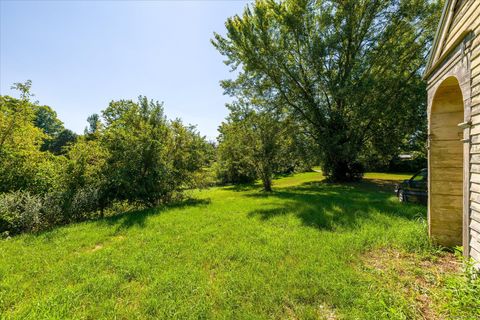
[
  {"x": 388, "y": 176},
  {"x": 230, "y": 253}
]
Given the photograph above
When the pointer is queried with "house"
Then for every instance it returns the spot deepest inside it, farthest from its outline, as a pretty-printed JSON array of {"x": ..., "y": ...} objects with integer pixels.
[{"x": 453, "y": 77}]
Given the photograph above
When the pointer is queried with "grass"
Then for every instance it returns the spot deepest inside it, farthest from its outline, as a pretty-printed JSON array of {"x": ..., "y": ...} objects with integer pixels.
[
  {"x": 388, "y": 176},
  {"x": 309, "y": 250}
]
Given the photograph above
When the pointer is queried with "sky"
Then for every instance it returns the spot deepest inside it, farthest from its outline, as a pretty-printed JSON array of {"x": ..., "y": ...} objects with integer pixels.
[{"x": 80, "y": 55}]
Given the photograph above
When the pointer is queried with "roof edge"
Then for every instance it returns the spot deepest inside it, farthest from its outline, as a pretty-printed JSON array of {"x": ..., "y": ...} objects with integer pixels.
[{"x": 436, "y": 39}]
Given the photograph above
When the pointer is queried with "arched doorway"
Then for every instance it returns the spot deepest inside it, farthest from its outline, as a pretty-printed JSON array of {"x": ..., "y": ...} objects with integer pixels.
[{"x": 446, "y": 164}]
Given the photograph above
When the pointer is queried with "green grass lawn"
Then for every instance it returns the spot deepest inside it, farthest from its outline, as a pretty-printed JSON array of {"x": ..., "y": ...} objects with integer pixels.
[{"x": 309, "y": 250}]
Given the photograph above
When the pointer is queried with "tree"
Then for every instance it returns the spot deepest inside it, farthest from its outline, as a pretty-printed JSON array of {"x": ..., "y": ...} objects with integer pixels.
[
  {"x": 47, "y": 120},
  {"x": 23, "y": 166},
  {"x": 350, "y": 70},
  {"x": 150, "y": 158},
  {"x": 15, "y": 113},
  {"x": 232, "y": 166},
  {"x": 84, "y": 179},
  {"x": 94, "y": 127},
  {"x": 257, "y": 143},
  {"x": 57, "y": 144}
]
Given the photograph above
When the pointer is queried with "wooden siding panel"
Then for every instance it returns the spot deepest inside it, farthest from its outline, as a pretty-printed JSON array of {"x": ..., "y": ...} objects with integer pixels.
[
  {"x": 475, "y": 196},
  {"x": 474, "y": 187},
  {"x": 475, "y": 177},
  {"x": 446, "y": 161},
  {"x": 475, "y": 215},
  {"x": 475, "y": 90},
  {"x": 475, "y": 206},
  {"x": 446, "y": 187},
  {"x": 446, "y": 175},
  {"x": 475, "y": 168},
  {"x": 474, "y": 243},
  {"x": 475, "y": 149},
  {"x": 474, "y": 235},
  {"x": 475, "y": 158},
  {"x": 469, "y": 21},
  {"x": 475, "y": 254},
  {"x": 447, "y": 147},
  {"x": 475, "y": 119},
  {"x": 475, "y": 225}
]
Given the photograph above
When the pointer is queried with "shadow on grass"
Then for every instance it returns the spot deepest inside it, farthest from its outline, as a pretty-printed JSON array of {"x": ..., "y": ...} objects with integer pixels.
[
  {"x": 242, "y": 187},
  {"x": 329, "y": 206},
  {"x": 137, "y": 218}
]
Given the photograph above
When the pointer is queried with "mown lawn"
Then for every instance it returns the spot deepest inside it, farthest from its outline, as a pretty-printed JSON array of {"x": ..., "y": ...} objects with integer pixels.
[{"x": 309, "y": 250}]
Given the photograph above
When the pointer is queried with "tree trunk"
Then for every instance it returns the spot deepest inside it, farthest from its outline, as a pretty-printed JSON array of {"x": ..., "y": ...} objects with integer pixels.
[
  {"x": 341, "y": 167},
  {"x": 267, "y": 184}
]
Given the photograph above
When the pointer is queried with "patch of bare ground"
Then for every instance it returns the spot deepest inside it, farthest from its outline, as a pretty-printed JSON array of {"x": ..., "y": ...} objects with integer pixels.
[
  {"x": 414, "y": 275},
  {"x": 323, "y": 312},
  {"x": 326, "y": 313},
  {"x": 96, "y": 248}
]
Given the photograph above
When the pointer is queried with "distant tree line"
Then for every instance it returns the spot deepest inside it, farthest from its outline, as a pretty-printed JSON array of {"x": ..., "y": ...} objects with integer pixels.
[{"x": 131, "y": 155}]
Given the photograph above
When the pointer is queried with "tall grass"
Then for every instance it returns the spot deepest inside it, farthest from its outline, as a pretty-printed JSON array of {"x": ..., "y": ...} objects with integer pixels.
[{"x": 229, "y": 253}]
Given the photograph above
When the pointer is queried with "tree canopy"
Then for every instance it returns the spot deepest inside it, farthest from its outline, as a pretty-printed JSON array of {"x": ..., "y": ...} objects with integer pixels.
[
  {"x": 350, "y": 70},
  {"x": 130, "y": 155}
]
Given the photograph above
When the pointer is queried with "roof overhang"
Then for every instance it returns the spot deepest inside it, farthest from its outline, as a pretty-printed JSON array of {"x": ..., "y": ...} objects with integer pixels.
[{"x": 434, "y": 57}]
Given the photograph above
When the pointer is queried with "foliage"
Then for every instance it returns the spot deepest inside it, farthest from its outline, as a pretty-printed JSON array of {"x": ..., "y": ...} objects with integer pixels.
[
  {"x": 232, "y": 165},
  {"x": 349, "y": 70},
  {"x": 151, "y": 158},
  {"x": 51, "y": 176},
  {"x": 59, "y": 143},
  {"x": 84, "y": 179},
  {"x": 57, "y": 137},
  {"x": 254, "y": 143},
  {"x": 233, "y": 252},
  {"x": 23, "y": 166},
  {"x": 47, "y": 120},
  {"x": 463, "y": 290},
  {"x": 95, "y": 126},
  {"x": 20, "y": 211}
]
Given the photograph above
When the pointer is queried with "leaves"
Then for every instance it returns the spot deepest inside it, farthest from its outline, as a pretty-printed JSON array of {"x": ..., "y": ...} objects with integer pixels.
[{"x": 349, "y": 70}]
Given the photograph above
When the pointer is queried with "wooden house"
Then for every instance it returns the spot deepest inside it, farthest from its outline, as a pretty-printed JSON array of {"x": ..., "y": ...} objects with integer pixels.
[{"x": 453, "y": 77}]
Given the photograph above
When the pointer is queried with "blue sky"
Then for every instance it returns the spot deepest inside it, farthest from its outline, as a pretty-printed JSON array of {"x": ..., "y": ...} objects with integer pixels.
[{"x": 80, "y": 55}]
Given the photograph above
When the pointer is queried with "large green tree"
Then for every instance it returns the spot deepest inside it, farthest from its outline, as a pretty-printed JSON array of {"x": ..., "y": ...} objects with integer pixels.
[{"x": 350, "y": 70}]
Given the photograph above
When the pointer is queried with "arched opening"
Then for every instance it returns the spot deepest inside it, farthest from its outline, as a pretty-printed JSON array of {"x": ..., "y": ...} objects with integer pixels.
[{"x": 446, "y": 164}]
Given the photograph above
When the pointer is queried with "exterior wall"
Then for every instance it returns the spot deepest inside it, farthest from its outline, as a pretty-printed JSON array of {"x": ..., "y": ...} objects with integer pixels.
[
  {"x": 446, "y": 164},
  {"x": 459, "y": 56},
  {"x": 474, "y": 221}
]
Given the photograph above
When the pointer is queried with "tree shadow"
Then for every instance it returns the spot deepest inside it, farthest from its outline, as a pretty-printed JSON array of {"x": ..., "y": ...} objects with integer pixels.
[
  {"x": 329, "y": 206},
  {"x": 137, "y": 218},
  {"x": 127, "y": 219},
  {"x": 242, "y": 187}
]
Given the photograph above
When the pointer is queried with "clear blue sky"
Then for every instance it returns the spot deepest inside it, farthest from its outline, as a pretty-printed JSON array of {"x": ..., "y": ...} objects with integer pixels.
[{"x": 80, "y": 55}]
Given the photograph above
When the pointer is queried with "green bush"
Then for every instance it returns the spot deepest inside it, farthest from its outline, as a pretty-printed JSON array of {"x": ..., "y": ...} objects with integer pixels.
[
  {"x": 150, "y": 159},
  {"x": 20, "y": 211},
  {"x": 132, "y": 155}
]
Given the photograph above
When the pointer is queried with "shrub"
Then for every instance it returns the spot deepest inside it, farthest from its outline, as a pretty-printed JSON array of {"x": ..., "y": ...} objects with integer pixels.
[
  {"x": 136, "y": 156},
  {"x": 20, "y": 211},
  {"x": 151, "y": 159},
  {"x": 463, "y": 289}
]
